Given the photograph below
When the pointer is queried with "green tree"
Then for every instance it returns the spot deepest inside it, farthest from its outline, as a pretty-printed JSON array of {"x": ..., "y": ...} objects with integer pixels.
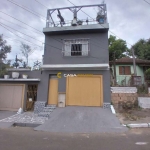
[
  {"x": 4, "y": 50},
  {"x": 117, "y": 46},
  {"x": 142, "y": 49}
]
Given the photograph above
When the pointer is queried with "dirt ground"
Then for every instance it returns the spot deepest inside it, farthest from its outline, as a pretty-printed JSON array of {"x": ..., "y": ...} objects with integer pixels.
[{"x": 134, "y": 115}]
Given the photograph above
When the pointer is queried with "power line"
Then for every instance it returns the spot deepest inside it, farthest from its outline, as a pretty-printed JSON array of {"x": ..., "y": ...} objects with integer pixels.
[
  {"x": 34, "y": 13},
  {"x": 147, "y": 2},
  {"x": 21, "y": 32},
  {"x": 33, "y": 28},
  {"x": 27, "y": 25},
  {"x": 61, "y": 39},
  {"x": 20, "y": 26},
  {"x": 43, "y": 5},
  {"x": 100, "y": 24},
  {"x": 17, "y": 35},
  {"x": 36, "y": 39},
  {"x": 41, "y": 32},
  {"x": 21, "y": 22},
  {"x": 10, "y": 39},
  {"x": 28, "y": 36}
]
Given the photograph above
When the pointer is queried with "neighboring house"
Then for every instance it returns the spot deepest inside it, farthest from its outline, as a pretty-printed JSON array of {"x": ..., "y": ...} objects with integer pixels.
[
  {"x": 75, "y": 68},
  {"x": 125, "y": 69}
]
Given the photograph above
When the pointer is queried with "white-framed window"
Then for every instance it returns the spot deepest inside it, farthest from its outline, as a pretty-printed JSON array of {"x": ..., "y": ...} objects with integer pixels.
[{"x": 76, "y": 47}]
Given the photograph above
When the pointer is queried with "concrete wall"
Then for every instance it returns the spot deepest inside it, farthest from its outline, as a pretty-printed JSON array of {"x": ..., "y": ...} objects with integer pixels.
[
  {"x": 44, "y": 83},
  {"x": 98, "y": 49}
]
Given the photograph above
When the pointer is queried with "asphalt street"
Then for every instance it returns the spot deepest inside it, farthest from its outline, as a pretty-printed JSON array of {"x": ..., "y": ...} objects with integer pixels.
[{"x": 25, "y": 138}]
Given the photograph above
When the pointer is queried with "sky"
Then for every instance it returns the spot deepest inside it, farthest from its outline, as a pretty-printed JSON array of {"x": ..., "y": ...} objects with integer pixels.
[{"x": 129, "y": 20}]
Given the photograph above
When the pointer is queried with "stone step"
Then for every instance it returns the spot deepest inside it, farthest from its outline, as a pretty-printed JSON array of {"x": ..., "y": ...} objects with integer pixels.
[
  {"x": 44, "y": 114},
  {"x": 47, "y": 110},
  {"x": 51, "y": 106}
]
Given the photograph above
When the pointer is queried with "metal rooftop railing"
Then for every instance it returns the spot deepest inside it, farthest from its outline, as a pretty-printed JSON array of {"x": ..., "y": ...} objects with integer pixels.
[{"x": 101, "y": 17}]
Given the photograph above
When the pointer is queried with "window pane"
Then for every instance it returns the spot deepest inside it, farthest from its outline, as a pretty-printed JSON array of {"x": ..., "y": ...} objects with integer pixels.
[{"x": 76, "y": 49}]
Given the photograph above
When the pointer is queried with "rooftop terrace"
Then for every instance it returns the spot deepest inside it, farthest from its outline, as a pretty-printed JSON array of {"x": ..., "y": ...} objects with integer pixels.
[{"x": 66, "y": 18}]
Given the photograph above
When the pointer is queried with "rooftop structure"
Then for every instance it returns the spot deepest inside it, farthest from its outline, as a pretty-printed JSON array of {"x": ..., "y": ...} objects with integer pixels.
[{"x": 57, "y": 22}]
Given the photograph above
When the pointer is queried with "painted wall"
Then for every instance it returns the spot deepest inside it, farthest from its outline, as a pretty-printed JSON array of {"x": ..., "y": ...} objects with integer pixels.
[
  {"x": 98, "y": 49},
  {"x": 98, "y": 54},
  {"x": 42, "y": 94},
  {"x": 139, "y": 70}
]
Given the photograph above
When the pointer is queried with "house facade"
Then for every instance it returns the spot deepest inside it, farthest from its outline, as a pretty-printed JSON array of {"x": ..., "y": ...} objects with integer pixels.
[
  {"x": 124, "y": 70},
  {"x": 75, "y": 68}
]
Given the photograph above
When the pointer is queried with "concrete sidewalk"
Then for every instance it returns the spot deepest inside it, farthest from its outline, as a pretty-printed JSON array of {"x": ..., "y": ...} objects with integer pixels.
[
  {"x": 76, "y": 119},
  {"x": 6, "y": 114}
]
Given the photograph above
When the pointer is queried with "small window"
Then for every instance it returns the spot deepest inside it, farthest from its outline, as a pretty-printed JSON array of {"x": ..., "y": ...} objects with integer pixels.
[
  {"x": 76, "y": 50},
  {"x": 76, "y": 47},
  {"x": 124, "y": 70}
]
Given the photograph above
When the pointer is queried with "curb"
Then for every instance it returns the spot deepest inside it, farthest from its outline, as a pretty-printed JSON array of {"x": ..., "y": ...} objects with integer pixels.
[
  {"x": 112, "y": 109},
  {"x": 140, "y": 125}
]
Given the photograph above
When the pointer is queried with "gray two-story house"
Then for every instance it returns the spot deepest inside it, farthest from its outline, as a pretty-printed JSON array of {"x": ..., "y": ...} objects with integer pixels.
[{"x": 76, "y": 64}]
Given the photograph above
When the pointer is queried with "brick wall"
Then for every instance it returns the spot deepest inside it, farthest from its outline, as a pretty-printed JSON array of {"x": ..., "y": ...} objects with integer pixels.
[
  {"x": 120, "y": 97},
  {"x": 120, "y": 94}
]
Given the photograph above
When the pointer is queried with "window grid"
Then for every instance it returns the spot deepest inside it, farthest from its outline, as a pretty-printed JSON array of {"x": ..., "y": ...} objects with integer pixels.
[{"x": 76, "y": 47}]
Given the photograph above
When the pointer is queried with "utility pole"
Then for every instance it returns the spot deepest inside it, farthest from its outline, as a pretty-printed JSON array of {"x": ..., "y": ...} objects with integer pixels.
[
  {"x": 134, "y": 65},
  {"x": 114, "y": 62}
]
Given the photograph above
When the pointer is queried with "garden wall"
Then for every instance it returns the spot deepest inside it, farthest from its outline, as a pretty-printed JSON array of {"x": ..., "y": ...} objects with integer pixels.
[{"x": 124, "y": 94}]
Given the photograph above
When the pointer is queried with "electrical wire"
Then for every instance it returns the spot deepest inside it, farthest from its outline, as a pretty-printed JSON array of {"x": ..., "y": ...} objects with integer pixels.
[
  {"x": 18, "y": 41},
  {"x": 99, "y": 24},
  {"x": 21, "y": 22},
  {"x": 30, "y": 36},
  {"x": 39, "y": 31},
  {"x": 48, "y": 8},
  {"x": 20, "y": 26},
  {"x": 34, "y": 13},
  {"x": 17, "y": 35},
  {"x": 34, "y": 28},
  {"x": 147, "y": 2}
]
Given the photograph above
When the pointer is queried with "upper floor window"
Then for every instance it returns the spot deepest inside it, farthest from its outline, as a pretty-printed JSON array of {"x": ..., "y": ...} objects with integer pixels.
[
  {"x": 124, "y": 70},
  {"x": 76, "y": 47}
]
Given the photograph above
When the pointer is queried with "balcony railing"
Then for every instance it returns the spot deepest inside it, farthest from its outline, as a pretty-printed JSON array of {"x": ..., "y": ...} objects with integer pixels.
[
  {"x": 69, "y": 23},
  {"x": 51, "y": 21}
]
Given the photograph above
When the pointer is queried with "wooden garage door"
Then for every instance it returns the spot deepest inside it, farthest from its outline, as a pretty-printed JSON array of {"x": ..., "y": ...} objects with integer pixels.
[
  {"x": 84, "y": 91},
  {"x": 11, "y": 97}
]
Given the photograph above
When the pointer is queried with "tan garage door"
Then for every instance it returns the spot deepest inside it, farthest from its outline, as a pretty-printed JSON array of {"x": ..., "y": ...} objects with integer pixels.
[
  {"x": 11, "y": 97},
  {"x": 84, "y": 91}
]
